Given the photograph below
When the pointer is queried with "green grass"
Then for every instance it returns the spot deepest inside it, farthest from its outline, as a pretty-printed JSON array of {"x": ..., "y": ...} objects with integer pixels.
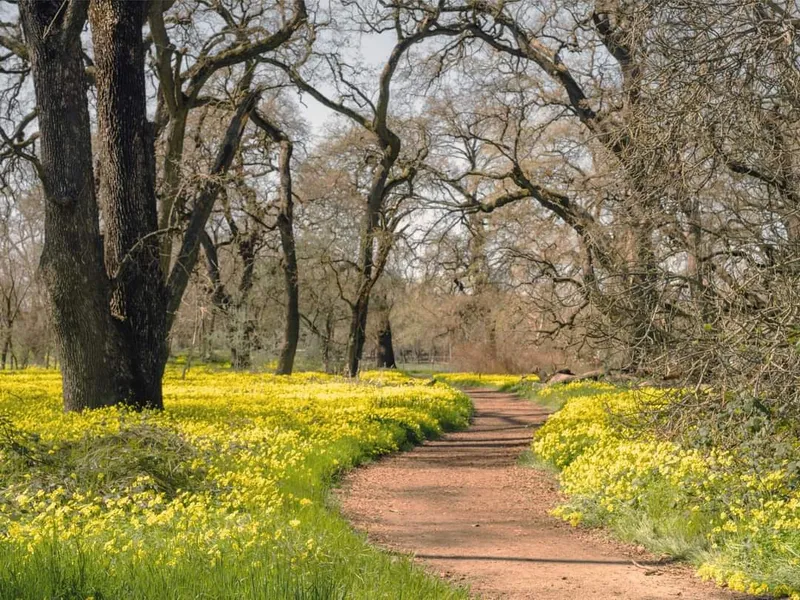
[
  {"x": 362, "y": 573},
  {"x": 349, "y": 567},
  {"x": 423, "y": 369},
  {"x": 529, "y": 460},
  {"x": 653, "y": 521}
]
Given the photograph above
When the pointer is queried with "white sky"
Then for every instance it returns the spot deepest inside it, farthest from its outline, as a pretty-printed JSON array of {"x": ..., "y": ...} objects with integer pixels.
[{"x": 373, "y": 50}]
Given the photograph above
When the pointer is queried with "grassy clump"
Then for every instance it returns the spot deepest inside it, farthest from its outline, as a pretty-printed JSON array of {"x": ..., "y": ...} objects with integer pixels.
[
  {"x": 740, "y": 526},
  {"x": 101, "y": 465},
  {"x": 223, "y": 495}
]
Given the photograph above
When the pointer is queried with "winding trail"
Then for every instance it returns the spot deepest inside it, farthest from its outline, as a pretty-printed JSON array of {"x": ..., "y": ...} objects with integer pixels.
[{"x": 465, "y": 508}]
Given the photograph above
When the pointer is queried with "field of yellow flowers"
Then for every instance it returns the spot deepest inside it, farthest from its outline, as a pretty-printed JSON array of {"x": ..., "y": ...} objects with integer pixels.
[
  {"x": 740, "y": 527},
  {"x": 223, "y": 495},
  {"x": 477, "y": 380}
]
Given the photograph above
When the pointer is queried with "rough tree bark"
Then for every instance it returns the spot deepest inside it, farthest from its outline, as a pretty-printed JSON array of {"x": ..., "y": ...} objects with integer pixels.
[
  {"x": 7, "y": 352},
  {"x": 327, "y": 340},
  {"x": 111, "y": 333},
  {"x": 92, "y": 354},
  {"x": 479, "y": 306},
  {"x": 127, "y": 192},
  {"x": 291, "y": 332},
  {"x": 384, "y": 346},
  {"x": 242, "y": 326},
  {"x": 8, "y": 326},
  {"x": 385, "y": 352}
]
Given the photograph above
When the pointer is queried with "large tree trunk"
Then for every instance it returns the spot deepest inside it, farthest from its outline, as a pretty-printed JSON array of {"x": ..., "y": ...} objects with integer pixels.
[
  {"x": 127, "y": 191},
  {"x": 91, "y": 350},
  {"x": 241, "y": 323},
  {"x": 6, "y": 353},
  {"x": 358, "y": 329},
  {"x": 385, "y": 351}
]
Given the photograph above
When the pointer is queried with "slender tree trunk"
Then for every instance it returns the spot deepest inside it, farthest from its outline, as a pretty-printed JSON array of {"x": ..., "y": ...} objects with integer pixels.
[
  {"x": 367, "y": 267},
  {"x": 91, "y": 350},
  {"x": 127, "y": 192},
  {"x": 285, "y": 222},
  {"x": 8, "y": 326},
  {"x": 204, "y": 203},
  {"x": 291, "y": 332},
  {"x": 219, "y": 296},
  {"x": 171, "y": 182}
]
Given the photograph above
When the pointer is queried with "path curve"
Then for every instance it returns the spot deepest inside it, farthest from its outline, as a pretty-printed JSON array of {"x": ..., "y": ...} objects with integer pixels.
[{"x": 463, "y": 506}]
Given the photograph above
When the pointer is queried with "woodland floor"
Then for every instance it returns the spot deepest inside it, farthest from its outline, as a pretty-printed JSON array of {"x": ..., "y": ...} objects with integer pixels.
[{"x": 465, "y": 508}]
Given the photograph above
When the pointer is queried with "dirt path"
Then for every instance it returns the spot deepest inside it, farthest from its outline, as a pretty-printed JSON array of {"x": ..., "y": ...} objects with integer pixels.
[{"x": 465, "y": 508}]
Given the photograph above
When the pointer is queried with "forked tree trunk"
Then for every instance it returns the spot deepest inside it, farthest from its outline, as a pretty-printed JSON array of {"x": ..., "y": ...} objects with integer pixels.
[
  {"x": 127, "y": 192},
  {"x": 203, "y": 205},
  {"x": 91, "y": 350}
]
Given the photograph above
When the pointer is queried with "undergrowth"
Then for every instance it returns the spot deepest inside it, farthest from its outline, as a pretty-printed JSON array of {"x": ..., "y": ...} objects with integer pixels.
[{"x": 738, "y": 524}]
